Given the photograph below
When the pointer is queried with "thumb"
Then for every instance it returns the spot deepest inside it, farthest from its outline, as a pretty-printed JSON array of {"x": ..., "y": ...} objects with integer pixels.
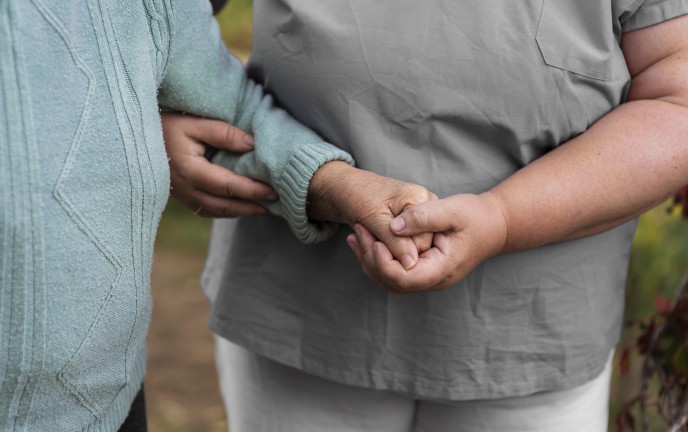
[
  {"x": 428, "y": 217},
  {"x": 403, "y": 249}
]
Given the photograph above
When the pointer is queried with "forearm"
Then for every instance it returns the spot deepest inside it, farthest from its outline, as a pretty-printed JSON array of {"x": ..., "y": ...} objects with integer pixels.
[
  {"x": 629, "y": 161},
  {"x": 324, "y": 192},
  {"x": 341, "y": 193},
  {"x": 204, "y": 79}
]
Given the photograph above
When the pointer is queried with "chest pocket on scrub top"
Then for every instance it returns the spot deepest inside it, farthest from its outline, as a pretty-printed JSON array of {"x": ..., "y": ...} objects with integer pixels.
[{"x": 579, "y": 36}]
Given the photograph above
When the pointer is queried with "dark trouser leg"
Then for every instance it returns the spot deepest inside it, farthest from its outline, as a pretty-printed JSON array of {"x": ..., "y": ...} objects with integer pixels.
[{"x": 136, "y": 419}]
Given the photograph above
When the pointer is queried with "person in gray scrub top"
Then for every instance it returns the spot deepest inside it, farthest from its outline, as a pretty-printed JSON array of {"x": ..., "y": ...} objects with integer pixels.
[{"x": 544, "y": 127}]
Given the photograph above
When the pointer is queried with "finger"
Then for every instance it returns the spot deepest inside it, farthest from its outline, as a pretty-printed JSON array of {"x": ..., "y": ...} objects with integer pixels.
[
  {"x": 365, "y": 240},
  {"x": 363, "y": 245},
  {"x": 403, "y": 249},
  {"x": 220, "y": 134},
  {"x": 356, "y": 248},
  {"x": 206, "y": 205},
  {"x": 431, "y": 216},
  {"x": 433, "y": 272},
  {"x": 427, "y": 274},
  {"x": 216, "y": 180},
  {"x": 234, "y": 208},
  {"x": 423, "y": 241},
  {"x": 352, "y": 241},
  {"x": 389, "y": 272},
  {"x": 380, "y": 266},
  {"x": 378, "y": 263},
  {"x": 441, "y": 266}
]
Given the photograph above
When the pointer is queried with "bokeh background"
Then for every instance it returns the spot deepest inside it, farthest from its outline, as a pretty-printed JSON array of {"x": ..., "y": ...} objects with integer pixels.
[{"x": 181, "y": 387}]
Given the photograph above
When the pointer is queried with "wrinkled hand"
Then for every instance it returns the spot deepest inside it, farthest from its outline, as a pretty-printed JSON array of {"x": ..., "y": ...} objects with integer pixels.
[
  {"x": 341, "y": 193},
  {"x": 468, "y": 229},
  {"x": 210, "y": 190}
]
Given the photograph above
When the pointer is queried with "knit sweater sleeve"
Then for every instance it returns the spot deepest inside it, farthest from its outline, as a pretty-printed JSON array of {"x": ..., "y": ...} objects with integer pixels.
[{"x": 204, "y": 79}]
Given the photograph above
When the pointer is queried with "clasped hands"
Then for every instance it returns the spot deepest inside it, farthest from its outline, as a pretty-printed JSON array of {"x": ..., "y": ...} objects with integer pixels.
[
  {"x": 464, "y": 230},
  {"x": 405, "y": 238}
]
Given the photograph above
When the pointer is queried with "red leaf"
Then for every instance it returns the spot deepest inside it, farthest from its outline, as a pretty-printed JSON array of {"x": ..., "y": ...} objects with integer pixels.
[
  {"x": 643, "y": 342},
  {"x": 625, "y": 421},
  {"x": 664, "y": 305},
  {"x": 625, "y": 361},
  {"x": 682, "y": 199}
]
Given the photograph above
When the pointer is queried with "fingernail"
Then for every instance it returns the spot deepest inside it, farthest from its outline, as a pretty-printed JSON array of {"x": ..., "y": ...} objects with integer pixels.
[
  {"x": 357, "y": 229},
  {"x": 398, "y": 224},
  {"x": 407, "y": 261},
  {"x": 351, "y": 240},
  {"x": 249, "y": 141}
]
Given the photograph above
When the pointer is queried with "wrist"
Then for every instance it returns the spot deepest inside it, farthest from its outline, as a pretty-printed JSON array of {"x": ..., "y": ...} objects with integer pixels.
[
  {"x": 499, "y": 226},
  {"x": 327, "y": 190}
]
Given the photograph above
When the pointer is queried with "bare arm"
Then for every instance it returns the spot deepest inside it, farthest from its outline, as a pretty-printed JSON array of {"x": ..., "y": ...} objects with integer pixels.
[
  {"x": 629, "y": 161},
  {"x": 337, "y": 192}
]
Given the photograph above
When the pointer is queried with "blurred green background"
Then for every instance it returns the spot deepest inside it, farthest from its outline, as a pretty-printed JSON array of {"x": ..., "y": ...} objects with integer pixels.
[{"x": 660, "y": 257}]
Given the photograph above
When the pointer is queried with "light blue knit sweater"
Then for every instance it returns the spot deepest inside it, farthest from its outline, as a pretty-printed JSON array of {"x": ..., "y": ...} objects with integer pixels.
[{"x": 84, "y": 178}]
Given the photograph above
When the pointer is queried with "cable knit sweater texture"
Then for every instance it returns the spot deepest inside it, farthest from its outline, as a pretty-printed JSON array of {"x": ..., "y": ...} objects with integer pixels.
[{"x": 84, "y": 179}]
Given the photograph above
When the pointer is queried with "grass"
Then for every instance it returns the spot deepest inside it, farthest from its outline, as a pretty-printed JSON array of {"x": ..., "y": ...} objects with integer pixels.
[{"x": 236, "y": 26}]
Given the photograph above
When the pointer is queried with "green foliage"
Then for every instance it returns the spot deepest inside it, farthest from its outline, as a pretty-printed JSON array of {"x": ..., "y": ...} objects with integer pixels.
[
  {"x": 235, "y": 24},
  {"x": 182, "y": 230},
  {"x": 655, "y": 371},
  {"x": 658, "y": 261}
]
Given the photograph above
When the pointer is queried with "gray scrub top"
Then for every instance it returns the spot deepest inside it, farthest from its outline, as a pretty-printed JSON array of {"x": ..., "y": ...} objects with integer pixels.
[{"x": 456, "y": 96}]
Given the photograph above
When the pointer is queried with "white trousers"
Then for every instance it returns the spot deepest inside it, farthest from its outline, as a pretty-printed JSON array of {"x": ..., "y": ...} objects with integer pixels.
[{"x": 261, "y": 395}]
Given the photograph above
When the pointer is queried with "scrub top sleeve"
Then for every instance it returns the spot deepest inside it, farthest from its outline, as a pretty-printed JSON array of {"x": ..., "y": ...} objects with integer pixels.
[{"x": 650, "y": 12}]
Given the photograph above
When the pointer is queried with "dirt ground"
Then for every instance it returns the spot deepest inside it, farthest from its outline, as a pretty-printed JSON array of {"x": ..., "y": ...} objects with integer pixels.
[{"x": 181, "y": 386}]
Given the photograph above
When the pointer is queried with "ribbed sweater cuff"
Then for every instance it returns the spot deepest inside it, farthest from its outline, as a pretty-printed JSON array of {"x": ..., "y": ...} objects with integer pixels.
[{"x": 292, "y": 187}]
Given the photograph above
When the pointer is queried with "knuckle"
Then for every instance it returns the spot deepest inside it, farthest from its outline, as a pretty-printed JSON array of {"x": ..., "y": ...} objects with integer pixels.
[
  {"x": 231, "y": 134},
  {"x": 182, "y": 171},
  {"x": 418, "y": 216},
  {"x": 230, "y": 189},
  {"x": 423, "y": 242},
  {"x": 420, "y": 192},
  {"x": 400, "y": 245},
  {"x": 365, "y": 253}
]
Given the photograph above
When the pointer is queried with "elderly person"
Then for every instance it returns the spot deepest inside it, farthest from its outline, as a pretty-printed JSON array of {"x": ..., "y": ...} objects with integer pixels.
[{"x": 545, "y": 127}]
